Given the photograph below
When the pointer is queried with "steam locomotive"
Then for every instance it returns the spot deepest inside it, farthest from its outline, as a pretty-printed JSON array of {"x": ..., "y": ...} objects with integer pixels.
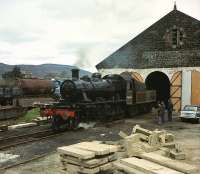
[
  {"x": 98, "y": 98},
  {"x": 17, "y": 96}
]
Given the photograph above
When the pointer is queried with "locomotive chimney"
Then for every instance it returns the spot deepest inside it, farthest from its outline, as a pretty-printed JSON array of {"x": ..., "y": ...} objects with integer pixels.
[{"x": 75, "y": 74}]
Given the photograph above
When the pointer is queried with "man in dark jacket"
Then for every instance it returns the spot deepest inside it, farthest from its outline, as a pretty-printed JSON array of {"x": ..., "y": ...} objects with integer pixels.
[{"x": 170, "y": 110}]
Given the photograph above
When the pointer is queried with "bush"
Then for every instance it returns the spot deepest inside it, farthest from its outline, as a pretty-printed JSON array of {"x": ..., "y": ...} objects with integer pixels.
[{"x": 30, "y": 115}]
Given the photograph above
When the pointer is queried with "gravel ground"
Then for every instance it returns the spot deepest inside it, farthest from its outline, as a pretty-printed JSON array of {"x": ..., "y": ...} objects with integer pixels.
[{"x": 187, "y": 134}]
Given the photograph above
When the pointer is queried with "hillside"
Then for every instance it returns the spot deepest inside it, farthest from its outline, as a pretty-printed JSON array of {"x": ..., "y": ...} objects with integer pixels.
[{"x": 44, "y": 70}]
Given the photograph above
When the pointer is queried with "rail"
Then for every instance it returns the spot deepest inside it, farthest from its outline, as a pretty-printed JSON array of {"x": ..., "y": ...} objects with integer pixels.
[
  {"x": 13, "y": 141},
  {"x": 3, "y": 169}
]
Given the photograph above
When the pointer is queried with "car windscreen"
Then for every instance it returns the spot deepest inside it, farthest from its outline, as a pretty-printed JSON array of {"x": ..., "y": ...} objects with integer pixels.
[{"x": 190, "y": 108}]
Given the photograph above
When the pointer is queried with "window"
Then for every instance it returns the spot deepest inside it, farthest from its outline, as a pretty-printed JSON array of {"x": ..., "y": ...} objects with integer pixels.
[
  {"x": 190, "y": 108},
  {"x": 177, "y": 35},
  {"x": 181, "y": 36},
  {"x": 174, "y": 37}
]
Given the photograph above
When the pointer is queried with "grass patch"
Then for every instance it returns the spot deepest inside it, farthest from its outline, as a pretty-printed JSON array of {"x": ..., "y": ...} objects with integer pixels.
[{"x": 30, "y": 115}]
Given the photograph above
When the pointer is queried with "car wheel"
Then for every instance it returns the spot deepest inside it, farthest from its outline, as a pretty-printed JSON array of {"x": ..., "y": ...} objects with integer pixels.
[
  {"x": 183, "y": 119},
  {"x": 197, "y": 120}
]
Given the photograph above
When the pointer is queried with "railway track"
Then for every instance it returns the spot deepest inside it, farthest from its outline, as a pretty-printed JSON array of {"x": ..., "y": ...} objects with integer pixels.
[
  {"x": 13, "y": 141},
  {"x": 3, "y": 169}
]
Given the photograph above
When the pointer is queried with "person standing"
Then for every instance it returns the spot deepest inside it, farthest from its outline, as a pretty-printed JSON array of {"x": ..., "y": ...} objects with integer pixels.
[
  {"x": 161, "y": 112},
  {"x": 170, "y": 110}
]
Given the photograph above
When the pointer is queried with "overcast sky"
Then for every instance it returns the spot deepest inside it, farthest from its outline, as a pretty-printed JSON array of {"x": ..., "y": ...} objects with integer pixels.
[{"x": 76, "y": 32}]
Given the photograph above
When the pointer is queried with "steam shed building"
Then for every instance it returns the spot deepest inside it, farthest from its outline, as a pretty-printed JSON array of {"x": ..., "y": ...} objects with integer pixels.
[{"x": 166, "y": 56}]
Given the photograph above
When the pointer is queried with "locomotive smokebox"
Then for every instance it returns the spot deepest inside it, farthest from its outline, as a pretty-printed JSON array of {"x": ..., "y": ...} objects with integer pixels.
[{"x": 75, "y": 74}]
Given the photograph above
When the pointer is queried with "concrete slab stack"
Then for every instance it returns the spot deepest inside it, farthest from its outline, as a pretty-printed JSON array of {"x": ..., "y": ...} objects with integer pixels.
[{"x": 88, "y": 157}]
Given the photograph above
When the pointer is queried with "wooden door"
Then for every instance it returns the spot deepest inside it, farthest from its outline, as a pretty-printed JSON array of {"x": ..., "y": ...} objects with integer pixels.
[
  {"x": 176, "y": 90},
  {"x": 137, "y": 77},
  {"x": 195, "y": 98}
]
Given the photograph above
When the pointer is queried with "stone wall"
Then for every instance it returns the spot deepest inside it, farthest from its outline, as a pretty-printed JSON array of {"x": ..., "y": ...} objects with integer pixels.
[{"x": 154, "y": 48}]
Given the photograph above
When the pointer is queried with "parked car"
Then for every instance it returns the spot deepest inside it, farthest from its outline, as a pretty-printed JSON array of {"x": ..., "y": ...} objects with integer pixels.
[{"x": 190, "y": 112}]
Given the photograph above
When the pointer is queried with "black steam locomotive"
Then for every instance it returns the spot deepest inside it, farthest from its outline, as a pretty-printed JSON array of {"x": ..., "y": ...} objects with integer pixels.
[{"x": 97, "y": 98}]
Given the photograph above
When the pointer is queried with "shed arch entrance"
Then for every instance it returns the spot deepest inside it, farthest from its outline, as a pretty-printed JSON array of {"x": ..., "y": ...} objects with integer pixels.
[{"x": 160, "y": 82}]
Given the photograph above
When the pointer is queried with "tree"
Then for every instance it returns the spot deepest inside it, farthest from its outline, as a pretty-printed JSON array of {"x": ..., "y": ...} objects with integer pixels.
[
  {"x": 14, "y": 74},
  {"x": 50, "y": 76}
]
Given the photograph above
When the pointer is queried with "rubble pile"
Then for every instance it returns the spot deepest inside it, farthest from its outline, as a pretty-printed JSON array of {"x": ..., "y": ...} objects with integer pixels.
[
  {"x": 142, "y": 140},
  {"x": 88, "y": 158},
  {"x": 151, "y": 152}
]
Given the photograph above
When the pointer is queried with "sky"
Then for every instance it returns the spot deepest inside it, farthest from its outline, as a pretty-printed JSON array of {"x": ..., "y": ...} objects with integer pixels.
[{"x": 76, "y": 32}]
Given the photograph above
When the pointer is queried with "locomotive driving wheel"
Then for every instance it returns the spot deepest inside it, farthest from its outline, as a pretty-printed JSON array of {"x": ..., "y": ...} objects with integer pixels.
[
  {"x": 58, "y": 124},
  {"x": 72, "y": 123},
  {"x": 55, "y": 123}
]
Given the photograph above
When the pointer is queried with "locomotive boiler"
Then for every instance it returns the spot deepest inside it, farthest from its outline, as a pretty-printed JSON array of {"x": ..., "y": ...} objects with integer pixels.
[
  {"x": 94, "y": 88},
  {"x": 96, "y": 98},
  {"x": 35, "y": 86}
]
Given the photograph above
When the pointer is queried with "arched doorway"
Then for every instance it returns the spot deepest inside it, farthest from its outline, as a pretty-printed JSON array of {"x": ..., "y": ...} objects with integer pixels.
[{"x": 160, "y": 82}]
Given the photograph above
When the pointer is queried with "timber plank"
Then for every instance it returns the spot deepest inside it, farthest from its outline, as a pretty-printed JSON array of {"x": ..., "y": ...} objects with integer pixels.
[
  {"x": 86, "y": 163},
  {"x": 78, "y": 169},
  {"x": 167, "y": 162},
  {"x": 76, "y": 152},
  {"x": 99, "y": 149},
  {"x": 147, "y": 166},
  {"x": 106, "y": 167},
  {"x": 126, "y": 169}
]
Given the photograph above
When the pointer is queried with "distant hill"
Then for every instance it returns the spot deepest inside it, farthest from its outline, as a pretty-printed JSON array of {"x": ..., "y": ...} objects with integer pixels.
[{"x": 44, "y": 70}]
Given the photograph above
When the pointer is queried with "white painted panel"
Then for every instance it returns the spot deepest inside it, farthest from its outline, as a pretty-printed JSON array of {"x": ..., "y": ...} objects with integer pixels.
[{"x": 186, "y": 88}]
